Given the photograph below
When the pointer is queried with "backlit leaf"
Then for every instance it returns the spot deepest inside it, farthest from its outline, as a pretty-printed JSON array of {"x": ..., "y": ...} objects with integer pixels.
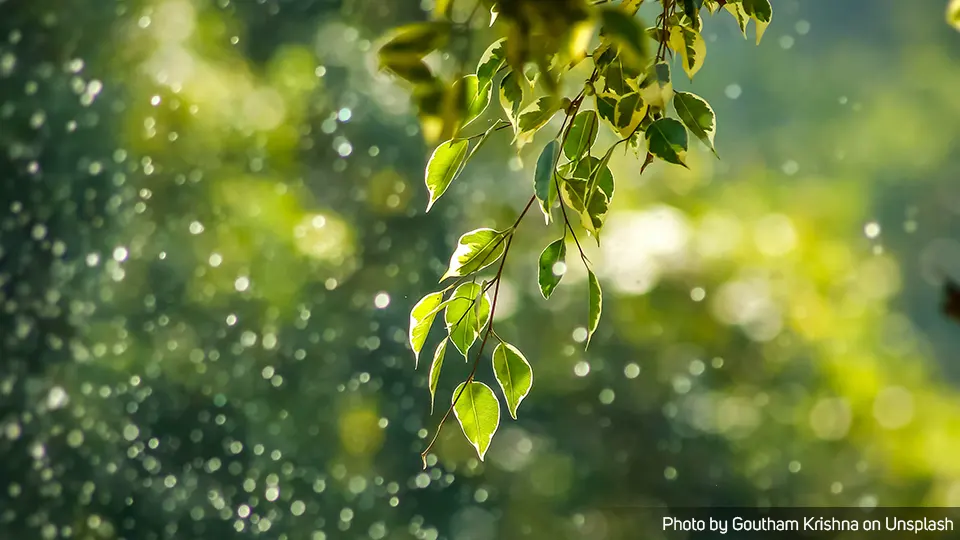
[
  {"x": 435, "y": 366},
  {"x": 667, "y": 139},
  {"x": 478, "y": 97},
  {"x": 548, "y": 279},
  {"x": 421, "y": 319},
  {"x": 544, "y": 186},
  {"x": 698, "y": 116},
  {"x": 511, "y": 98},
  {"x": 691, "y": 47},
  {"x": 444, "y": 165},
  {"x": 628, "y": 114},
  {"x": 467, "y": 312},
  {"x": 475, "y": 251},
  {"x": 417, "y": 39},
  {"x": 534, "y": 117},
  {"x": 596, "y": 305},
  {"x": 514, "y": 375},
  {"x": 953, "y": 14},
  {"x": 583, "y": 133},
  {"x": 491, "y": 61},
  {"x": 478, "y": 412}
]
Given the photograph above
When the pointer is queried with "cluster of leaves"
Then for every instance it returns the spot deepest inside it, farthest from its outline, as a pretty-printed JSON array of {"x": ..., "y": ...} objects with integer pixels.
[{"x": 631, "y": 92}]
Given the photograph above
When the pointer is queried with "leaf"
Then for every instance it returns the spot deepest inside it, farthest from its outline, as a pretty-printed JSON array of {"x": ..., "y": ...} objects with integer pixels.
[
  {"x": 467, "y": 313},
  {"x": 599, "y": 193},
  {"x": 514, "y": 375},
  {"x": 667, "y": 139},
  {"x": 761, "y": 12},
  {"x": 417, "y": 39},
  {"x": 596, "y": 305},
  {"x": 475, "y": 251},
  {"x": 491, "y": 61},
  {"x": 543, "y": 185},
  {"x": 511, "y": 98},
  {"x": 624, "y": 29},
  {"x": 534, "y": 117},
  {"x": 435, "y": 366},
  {"x": 478, "y": 97},
  {"x": 657, "y": 88},
  {"x": 547, "y": 277},
  {"x": 691, "y": 8},
  {"x": 583, "y": 133},
  {"x": 691, "y": 47},
  {"x": 620, "y": 78},
  {"x": 698, "y": 116},
  {"x": 421, "y": 319},
  {"x": 628, "y": 113},
  {"x": 736, "y": 9},
  {"x": 410, "y": 68},
  {"x": 444, "y": 165},
  {"x": 953, "y": 14},
  {"x": 478, "y": 413}
]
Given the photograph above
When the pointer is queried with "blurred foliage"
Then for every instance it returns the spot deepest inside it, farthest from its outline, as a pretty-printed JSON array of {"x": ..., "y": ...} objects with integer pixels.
[{"x": 212, "y": 234}]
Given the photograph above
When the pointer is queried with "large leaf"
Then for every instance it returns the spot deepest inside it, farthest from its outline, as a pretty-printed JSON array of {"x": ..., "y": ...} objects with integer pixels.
[
  {"x": 534, "y": 117},
  {"x": 435, "y": 366},
  {"x": 547, "y": 278},
  {"x": 514, "y": 375},
  {"x": 475, "y": 251},
  {"x": 421, "y": 319},
  {"x": 583, "y": 133},
  {"x": 667, "y": 139},
  {"x": 444, "y": 165},
  {"x": 511, "y": 98},
  {"x": 698, "y": 116},
  {"x": 596, "y": 305},
  {"x": 491, "y": 61},
  {"x": 467, "y": 313},
  {"x": 478, "y": 412},
  {"x": 544, "y": 186},
  {"x": 691, "y": 47}
]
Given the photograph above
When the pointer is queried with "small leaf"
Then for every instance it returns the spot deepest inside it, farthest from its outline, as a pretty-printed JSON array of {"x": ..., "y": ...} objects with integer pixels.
[
  {"x": 606, "y": 107},
  {"x": 698, "y": 116},
  {"x": 514, "y": 374},
  {"x": 667, "y": 139},
  {"x": 475, "y": 251},
  {"x": 444, "y": 165},
  {"x": 435, "y": 366},
  {"x": 417, "y": 39},
  {"x": 657, "y": 88},
  {"x": 691, "y": 47},
  {"x": 543, "y": 185},
  {"x": 628, "y": 114},
  {"x": 478, "y": 97},
  {"x": 583, "y": 133},
  {"x": 953, "y": 14},
  {"x": 547, "y": 278},
  {"x": 511, "y": 98},
  {"x": 491, "y": 61},
  {"x": 596, "y": 305},
  {"x": 534, "y": 117},
  {"x": 467, "y": 313},
  {"x": 478, "y": 412},
  {"x": 736, "y": 9},
  {"x": 421, "y": 319},
  {"x": 625, "y": 30}
]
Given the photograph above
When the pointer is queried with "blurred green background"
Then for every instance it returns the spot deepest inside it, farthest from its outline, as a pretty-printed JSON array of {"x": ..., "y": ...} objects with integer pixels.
[{"x": 212, "y": 232}]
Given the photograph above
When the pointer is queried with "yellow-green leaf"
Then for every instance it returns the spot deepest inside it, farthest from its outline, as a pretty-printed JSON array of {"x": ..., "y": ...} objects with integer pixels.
[
  {"x": 421, "y": 319},
  {"x": 514, "y": 375},
  {"x": 596, "y": 305},
  {"x": 544, "y": 186},
  {"x": 475, "y": 251},
  {"x": 553, "y": 255},
  {"x": 417, "y": 39},
  {"x": 583, "y": 133},
  {"x": 953, "y": 14},
  {"x": 691, "y": 47},
  {"x": 478, "y": 412},
  {"x": 435, "y": 366},
  {"x": 491, "y": 61},
  {"x": 698, "y": 116},
  {"x": 761, "y": 12},
  {"x": 535, "y": 117},
  {"x": 444, "y": 165},
  {"x": 467, "y": 313},
  {"x": 511, "y": 98}
]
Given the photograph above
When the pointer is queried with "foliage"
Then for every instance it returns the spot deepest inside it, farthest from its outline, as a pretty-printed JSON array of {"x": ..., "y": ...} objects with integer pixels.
[{"x": 630, "y": 85}]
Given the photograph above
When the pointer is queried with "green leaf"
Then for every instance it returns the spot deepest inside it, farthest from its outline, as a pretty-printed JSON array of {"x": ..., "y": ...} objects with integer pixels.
[
  {"x": 410, "y": 68},
  {"x": 511, "y": 98},
  {"x": 953, "y": 14},
  {"x": 435, "y": 366},
  {"x": 620, "y": 78},
  {"x": 543, "y": 185},
  {"x": 698, "y": 116},
  {"x": 475, "y": 251},
  {"x": 534, "y": 117},
  {"x": 477, "y": 96},
  {"x": 478, "y": 413},
  {"x": 596, "y": 305},
  {"x": 467, "y": 313},
  {"x": 629, "y": 113},
  {"x": 491, "y": 61},
  {"x": 691, "y": 8},
  {"x": 691, "y": 47},
  {"x": 583, "y": 133},
  {"x": 590, "y": 174},
  {"x": 421, "y": 319},
  {"x": 761, "y": 12},
  {"x": 514, "y": 374},
  {"x": 626, "y": 31},
  {"x": 417, "y": 39},
  {"x": 606, "y": 107},
  {"x": 667, "y": 139},
  {"x": 547, "y": 277},
  {"x": 444, "y": 165}
]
